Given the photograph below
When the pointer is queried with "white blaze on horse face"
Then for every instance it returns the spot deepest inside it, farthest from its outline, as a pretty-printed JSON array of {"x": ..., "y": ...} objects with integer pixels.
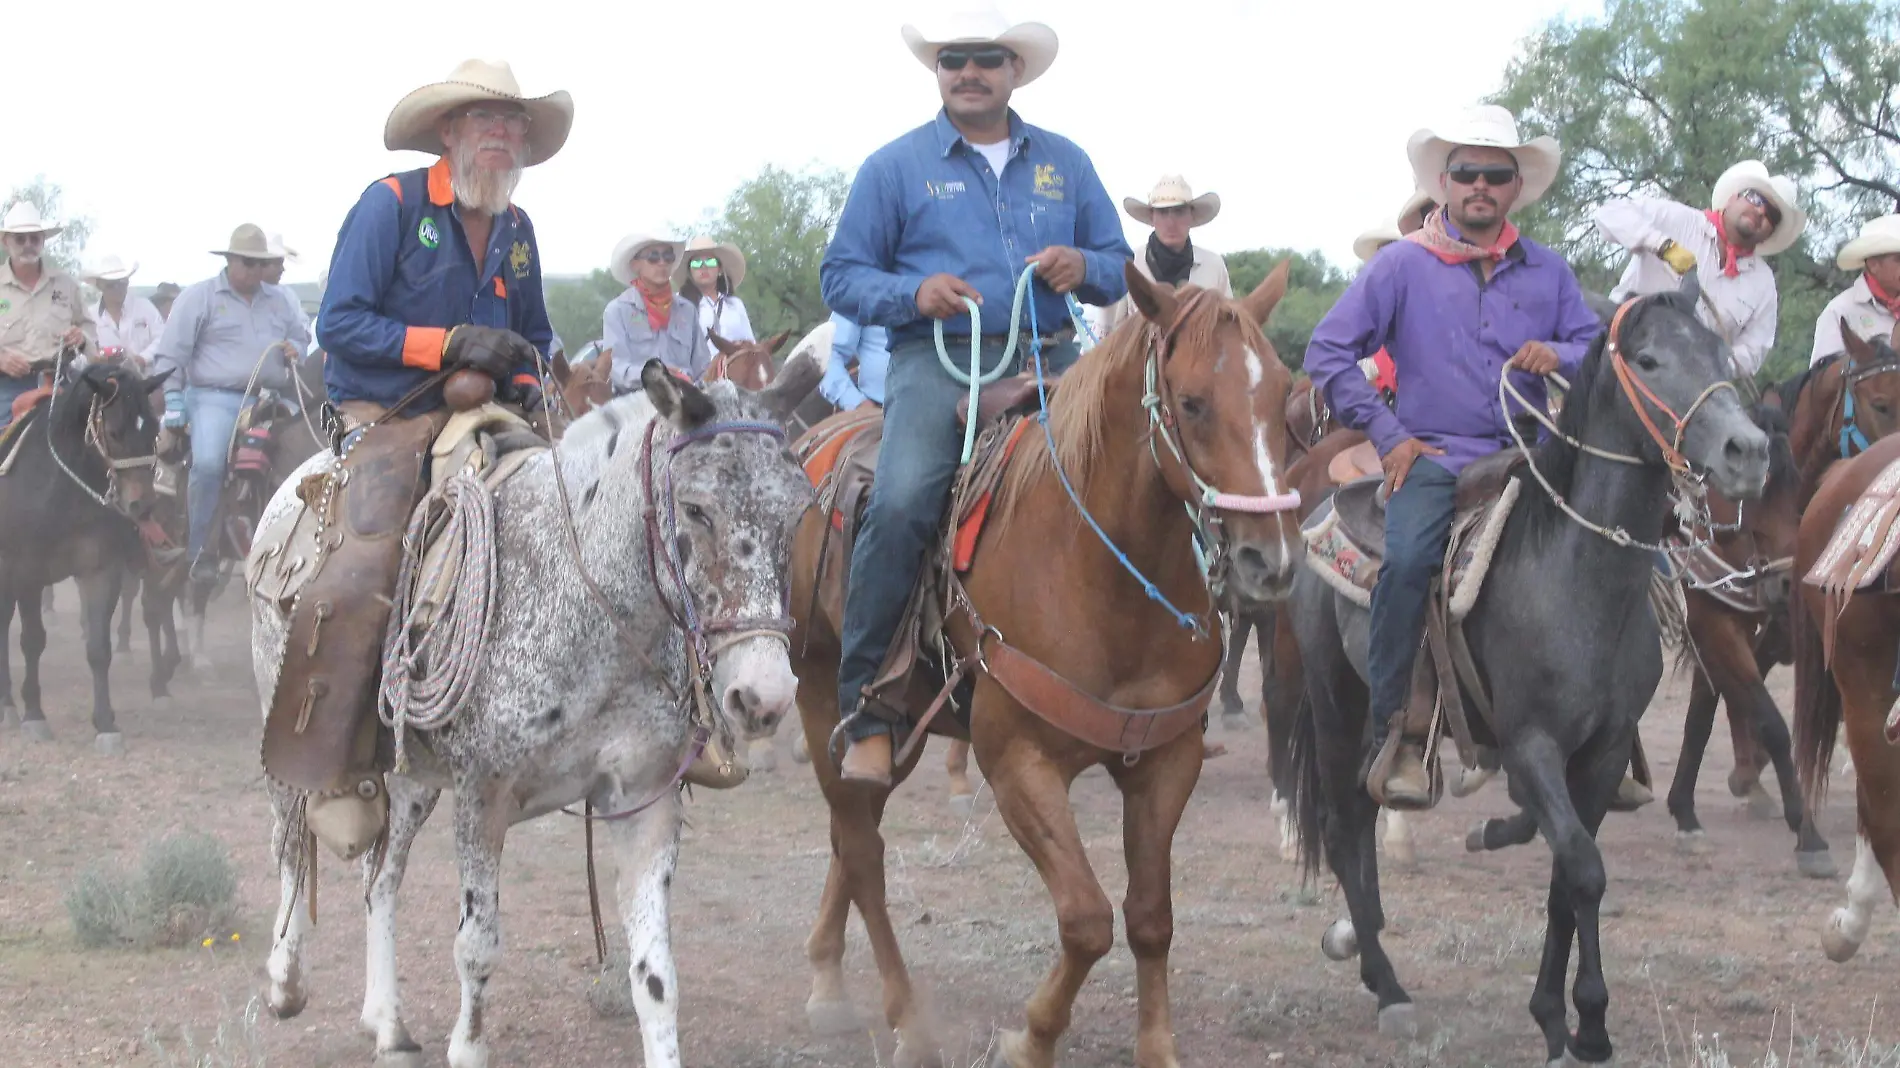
[{"x": 1262, "y": 458}]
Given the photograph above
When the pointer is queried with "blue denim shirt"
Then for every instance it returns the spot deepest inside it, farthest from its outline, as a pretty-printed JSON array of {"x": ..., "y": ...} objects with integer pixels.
[
  {"x": 928, "y": 203},
  {"x": 871, "y": 347}
]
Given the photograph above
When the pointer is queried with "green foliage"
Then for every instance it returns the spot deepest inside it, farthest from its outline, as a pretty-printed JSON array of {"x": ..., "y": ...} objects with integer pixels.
[
  {"x": 185, "y": 890},
  {"x": 1659, "y": 97},
  {"x": 782, "y": 221},
  {"x": 100, "y": 905},
  {"x": 575, "y": 306},
  {"x": 66, "y": 248},
  {"x": 1313, "y": 285}
]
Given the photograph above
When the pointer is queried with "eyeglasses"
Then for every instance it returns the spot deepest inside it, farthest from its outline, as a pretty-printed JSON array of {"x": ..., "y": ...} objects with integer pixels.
[
  {"x": 252, "y": 262},
  {"x": 987, "y": 58},
  {"x": 517, "y": 122},
  {"x": 700, "y": 264},
  {"x": 1469, "y": 173},
  {"x": 28, "y": 239},
  {"x": 657, "y": 255},
  {"x": 1767, "y": 206}
]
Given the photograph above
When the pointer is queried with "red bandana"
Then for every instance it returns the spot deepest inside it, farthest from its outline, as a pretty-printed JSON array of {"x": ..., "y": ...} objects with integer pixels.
[
  {"x": 1892, "y": 304},
  {"x": 1436, "y": 236},
  {"x": 659, "y": 301},
  {"x": 1731, "y": 256}
]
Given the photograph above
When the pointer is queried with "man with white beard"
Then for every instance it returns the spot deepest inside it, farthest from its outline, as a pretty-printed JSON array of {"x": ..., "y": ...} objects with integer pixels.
[
  {"x": 434, "y": 270},
  {"x": 41, "y": 311}
]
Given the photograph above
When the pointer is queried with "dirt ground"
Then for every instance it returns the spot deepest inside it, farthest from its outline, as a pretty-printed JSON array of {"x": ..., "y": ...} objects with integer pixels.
[{"x": 1713, "y": 957}]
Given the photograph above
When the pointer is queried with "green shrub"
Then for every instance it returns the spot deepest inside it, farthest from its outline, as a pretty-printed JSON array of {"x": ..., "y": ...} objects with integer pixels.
[{"x": 185, "y": 891}]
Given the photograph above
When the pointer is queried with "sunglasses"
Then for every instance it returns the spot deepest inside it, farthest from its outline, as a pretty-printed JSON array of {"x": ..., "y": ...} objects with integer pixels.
[
  {"x": 28, "y": 239},
  {"x": 987, "y": 58},
  {"x": 254, "y": 264},
  {"x": 657, "y": 255},
  {"x": 700, "y": 264},
  {"x": 517, "y": 122},
  {"x": 1767, "y": 207},
  {"x": 1468, "y": 174}
]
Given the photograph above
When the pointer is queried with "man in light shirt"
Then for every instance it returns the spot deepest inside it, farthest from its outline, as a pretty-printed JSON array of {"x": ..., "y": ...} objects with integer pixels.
[
  {"x": 127, "y": 322},
  {"x": 1871, "y": 306},
  {"x": 1752, "y": 215},
  {"x": 41, "y": 309},
  {"x": 860, "y": 356}
]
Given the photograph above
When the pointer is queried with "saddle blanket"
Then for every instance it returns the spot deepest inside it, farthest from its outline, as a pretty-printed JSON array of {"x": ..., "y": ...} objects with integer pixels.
[
  {"x": 1353, "y": 569},
  {"x": 1865, "y": 540}
]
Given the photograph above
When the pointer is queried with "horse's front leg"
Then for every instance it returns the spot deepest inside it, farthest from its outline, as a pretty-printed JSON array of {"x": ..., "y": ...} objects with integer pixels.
[
  {"x": 157, "y": 609},
  {"x": 646, "y": 850},
  {"x": 410, "y": 804},
  {"x": 10, "y": 712},
  {"x": 1155, "y": 792},
  {"x": 482, "y": 814},
  {"x": 287, "y": 994},
  {"x": 1231, "y": 708},
  {"x": 99, "y": 595},
  {"x": 32, "y": 644}
]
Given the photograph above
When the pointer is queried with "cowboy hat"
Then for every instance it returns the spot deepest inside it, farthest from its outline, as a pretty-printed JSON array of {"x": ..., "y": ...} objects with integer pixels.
[
  {"x": 1367, "y": 245},
  {"x": 731, "y": 261},
  {"x": 414, "y": 121},
  {"x": 1486, "y": 126},
  {"x": 24, "y": 218},
  {"x": 249, "y": 241},
  {"x": 1415, "y": 206},
  {"x": 1877, "y": 237},
  {"x": 110, "y": 269},
  {"x": 621, "y": 266},
  {"x": 1780, "y": 191},
  {"x": 278, "y": 249},
  {"x": 1173, "y": 191},
  {"x": 1378, "y": 237},
  {"x": 1033, "y": 41}
]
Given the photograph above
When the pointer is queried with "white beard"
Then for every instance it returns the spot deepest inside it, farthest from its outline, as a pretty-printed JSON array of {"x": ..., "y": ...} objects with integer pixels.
[{"x": 478, "y": 189}]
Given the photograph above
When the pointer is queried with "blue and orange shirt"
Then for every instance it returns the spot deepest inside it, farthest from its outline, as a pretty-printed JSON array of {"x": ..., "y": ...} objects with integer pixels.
[{"x": 402, "y": 275}]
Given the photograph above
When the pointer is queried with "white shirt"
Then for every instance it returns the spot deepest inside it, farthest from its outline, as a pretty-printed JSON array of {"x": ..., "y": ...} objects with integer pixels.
[
  {"x": 1865, "y": 316},
  {"x": 726, "y": 317},
  {"x": 997, "y": 154},
  {"x": 137, "y": 330},
  {"x": 1741, "y": 309}
]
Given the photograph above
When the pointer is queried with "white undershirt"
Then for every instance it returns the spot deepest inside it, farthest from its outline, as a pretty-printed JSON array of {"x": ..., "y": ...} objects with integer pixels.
[{"x": 997, "y": 154}]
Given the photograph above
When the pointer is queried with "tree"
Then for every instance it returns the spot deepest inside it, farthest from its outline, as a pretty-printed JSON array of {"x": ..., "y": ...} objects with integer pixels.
[
  {"x": 1659, "y": 97},
  {"x": 1313, "y": 284},
  {"x": 575, "y": 306},
  {"x": 782, "y": 221},
  {"x": 64, "y": 250}
]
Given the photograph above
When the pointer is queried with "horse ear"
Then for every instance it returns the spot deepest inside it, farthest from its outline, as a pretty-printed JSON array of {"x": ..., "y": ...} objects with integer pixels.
[
  {"x": 157, "y": 381},
  {"x": 561, "y": 370},
  {"x": 794, "y": 383},
  {"x": 1691, "y": 288},
  {"x": 1859, "y": 350},
  {"x": 1266, "y": 296},
  {"x": 1156, "y": 303},
  {"x": 725, "y": 347},
  {"x": 777, "y": 341},
  {"x": 605, "y": 364},
  {"x": 676, "y": 399}
]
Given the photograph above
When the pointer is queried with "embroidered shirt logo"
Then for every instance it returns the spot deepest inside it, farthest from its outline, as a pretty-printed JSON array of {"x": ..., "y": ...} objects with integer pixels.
[
  {"x": 943, "y": 190},
  {"x": 427, "y": 233},
  {"x": 5, "y": 305},
  {"x": 1047, "y": 182},
  {"x": 519, "y": 257}
]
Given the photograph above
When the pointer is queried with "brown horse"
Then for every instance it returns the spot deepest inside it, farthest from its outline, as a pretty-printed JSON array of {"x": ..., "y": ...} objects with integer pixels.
[
  {"x": 748, "y": 364},
  {"x": 1042, "y": 579},
  {"x": 1852, "y": 683}
]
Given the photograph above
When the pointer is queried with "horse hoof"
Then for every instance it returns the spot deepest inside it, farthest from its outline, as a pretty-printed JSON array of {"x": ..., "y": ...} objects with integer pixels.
[
  {"x": 1340, "y": 942},
  {"x": 1474, "y": 838},
  {"x": 1470, "y": 781},
  {"x": 1742, "y": 782},
  {"x": 801, "y": 753},
  {"x": 1609, "y": 908},
  {"x": 1570, "y": 1060},
  {"x": 1762, "y": 806},
  {"x": 287, "y": 1003},
  {"x": 1400, "y": 856},
  {"x": 1237, "y": 721},
  {"x": 963, "y": 805},
  {"x": 110, "y": 744},
  {"x": 1692, "y": 843},
  {"x": 1816, "y": 864},
  {"x": 1009, "y": 1050},
  {"x": 1839, "y": 948},
  {"x": 161, "y": 702},
  {"x": 36, "y": 730},
  {"x": 910, "y": 1054},
  {"x": 829, "y": 1019},
  {"x": 1399, "y": 1020},
  {"x": 9, "y": 716}
]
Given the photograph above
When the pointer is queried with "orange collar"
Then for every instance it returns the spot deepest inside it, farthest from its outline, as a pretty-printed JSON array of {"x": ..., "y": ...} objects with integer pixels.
[{"x": 441, "y": 190}]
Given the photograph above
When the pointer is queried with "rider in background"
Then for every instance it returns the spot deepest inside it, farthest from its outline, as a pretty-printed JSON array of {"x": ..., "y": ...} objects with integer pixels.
[
  {"x": 650, "y": 320},
  {"x": 1171, "y": 255},
  {"x": 706, "y": 275},
  {"x": 1871, "y": 305},
  {"x": 860, "y": 361},
  {"x": 41, "y": 310}
]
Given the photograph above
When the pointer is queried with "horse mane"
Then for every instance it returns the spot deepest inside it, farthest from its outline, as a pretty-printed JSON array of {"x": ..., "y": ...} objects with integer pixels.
[
  {"x": 1776, "y": 423},
  {"x": 1555, "y": 456}
]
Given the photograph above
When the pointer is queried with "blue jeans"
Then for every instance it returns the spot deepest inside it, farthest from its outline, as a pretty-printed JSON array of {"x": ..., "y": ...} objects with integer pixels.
[
  {"x": 213, "y": 414},
  {"x": 10, "y": 390},
  {"x": 1417, "y": 528},
  {"x": 923, "y": 447}
]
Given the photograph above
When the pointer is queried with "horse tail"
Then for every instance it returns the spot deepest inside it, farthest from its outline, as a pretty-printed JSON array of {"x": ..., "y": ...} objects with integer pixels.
[
  {"x": 1817, "y": 704},
  {"x": 1305, "y": 799}
]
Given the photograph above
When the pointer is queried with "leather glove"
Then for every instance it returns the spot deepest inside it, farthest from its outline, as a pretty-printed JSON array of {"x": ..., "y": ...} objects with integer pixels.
[
  {"x": 1679, "y": 259},
  {"x": 494, "y": 352},
  {"x": 175, "y": 417}
]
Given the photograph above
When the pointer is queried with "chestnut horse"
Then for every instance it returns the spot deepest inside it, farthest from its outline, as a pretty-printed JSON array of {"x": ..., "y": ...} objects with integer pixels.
[
  {"x": 1059, "y": 594},
  {"x": 588, "y": 385}
]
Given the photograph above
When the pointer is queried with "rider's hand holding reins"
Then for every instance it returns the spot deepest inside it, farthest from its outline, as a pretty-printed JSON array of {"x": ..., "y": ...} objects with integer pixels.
[
  {"x": 1398, "y": 463},
  {"x": 941, "y": 296},
  {"x": 494, "y": 352},
  {"x": 14, "y": 363},
  {"x": 1060, "y": 268},
  {"x": 1534, "y": 358}
]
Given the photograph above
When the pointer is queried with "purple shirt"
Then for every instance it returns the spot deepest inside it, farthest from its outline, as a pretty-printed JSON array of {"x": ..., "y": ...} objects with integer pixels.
[{"x": 1450, "y": 335}]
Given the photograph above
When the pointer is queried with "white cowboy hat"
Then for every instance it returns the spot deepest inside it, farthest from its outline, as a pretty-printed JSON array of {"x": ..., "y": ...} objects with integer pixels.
[
  {"x": 1173, "y": 191},
  {"x": 1488, "y": 126},
  {"x": 621, "y": 266},
  {"x": 1877, "y": 237},
  {"x": 1414, "y": 207},
  {"x": 110, "y": 269},
  {"x": 1367, "y": 244},
  {"x": 414, "y": 121},
  {"x": 731, "y": 261},
  {"x": 1780, "y": 191},
  {"x": 24, "y": 218},
  {"x": 1378, "y": 237},
  {"x": 279, "y": 250},
  {"x": 249, "y": 241},
  {"x": 1033, "y": 41}
]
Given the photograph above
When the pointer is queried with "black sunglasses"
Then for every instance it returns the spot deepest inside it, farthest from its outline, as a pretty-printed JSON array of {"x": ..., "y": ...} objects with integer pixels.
[
  {"x": 1767, "y": 207},
  {"x": 1469, "y": 173},
  {"x": 987, "y": 58}
]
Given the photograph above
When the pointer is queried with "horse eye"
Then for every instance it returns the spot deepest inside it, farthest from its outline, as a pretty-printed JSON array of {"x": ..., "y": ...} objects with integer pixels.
[
  {"x": 695, "y": 514},
  {"x": 1647, "y": 362},
  {"x": 1193, "y": 407}
]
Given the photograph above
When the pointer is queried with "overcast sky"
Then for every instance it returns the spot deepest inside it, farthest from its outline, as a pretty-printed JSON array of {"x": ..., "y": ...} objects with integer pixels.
[{"x": 170, "y": 124}]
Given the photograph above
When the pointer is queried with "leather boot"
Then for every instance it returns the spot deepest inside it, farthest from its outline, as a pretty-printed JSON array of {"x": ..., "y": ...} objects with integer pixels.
[
  {"x": 868, "y": 761},
  {"x": 1630, "y": 795},
  {"x": 1397, "y": 777}
]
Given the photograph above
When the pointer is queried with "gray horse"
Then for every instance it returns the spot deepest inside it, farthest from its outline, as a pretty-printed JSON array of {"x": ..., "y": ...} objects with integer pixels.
[
  {"x": 1564, "y": 642},
  {"x": 574, "y": 705}
]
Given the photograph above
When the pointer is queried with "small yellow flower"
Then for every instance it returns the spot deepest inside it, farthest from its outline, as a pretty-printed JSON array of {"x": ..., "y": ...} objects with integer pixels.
[
  {"x": 234, "y": 936},
  {"x": 207, "y": 943}
]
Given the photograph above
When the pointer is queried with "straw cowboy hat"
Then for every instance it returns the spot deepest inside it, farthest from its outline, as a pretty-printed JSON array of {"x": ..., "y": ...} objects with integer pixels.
[
  {"x": 249, "y": 241},
  {"x": 1486, "y": 126},
  {"x": 110, "y": 269},
  {"x": 731, "y": 261},
  {"x": 621, "y": 266},
  {"x": 1780, "y": 191},
  {"x": 1173, "y": 191},
  {"x": 1033, "y": 41},
  {"x": 414, "y": 121},
  {"x": 1378, "y": 237},
  {"x": 24, "y": 218},
  {"x": 1877, "y": 237}
]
